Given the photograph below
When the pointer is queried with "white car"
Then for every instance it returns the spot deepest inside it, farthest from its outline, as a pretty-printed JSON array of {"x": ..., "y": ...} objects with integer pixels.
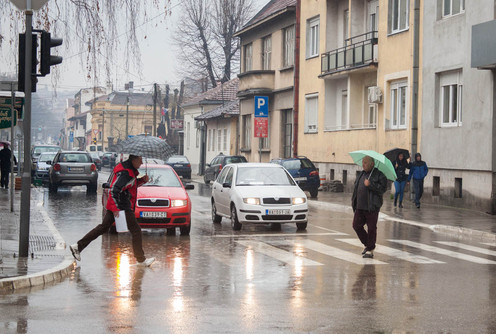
[{"x": 259, "y": 193}]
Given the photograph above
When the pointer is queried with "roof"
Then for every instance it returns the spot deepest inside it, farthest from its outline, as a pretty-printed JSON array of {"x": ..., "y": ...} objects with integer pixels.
[
  {"x": 229, "y": 108},
  {"x": 270, "y": 10},
  {"x": 223, "y": 92},
  {"x": 120, "y": 98}
]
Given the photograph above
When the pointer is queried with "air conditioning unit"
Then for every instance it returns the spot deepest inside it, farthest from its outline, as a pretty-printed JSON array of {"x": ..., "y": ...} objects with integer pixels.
[{"x": 375, "y": 95}]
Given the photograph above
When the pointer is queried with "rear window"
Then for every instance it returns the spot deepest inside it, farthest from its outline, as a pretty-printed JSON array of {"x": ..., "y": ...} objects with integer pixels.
[
  {"x": 235, "y": 160},
  {"x": 40, "y": 149},
  {"x": 74, "y": 157},
  {"x": 298, "y": 164},
  {"x": 177, "y": 160}
]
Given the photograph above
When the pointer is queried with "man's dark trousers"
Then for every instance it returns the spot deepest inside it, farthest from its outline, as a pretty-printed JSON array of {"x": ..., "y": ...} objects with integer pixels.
[
  {"x": 107, "y": 222},
  {"x": 4, "y": 178},
  {"x": 418, "y": 188},
  {"x": 362, "y": 218}
]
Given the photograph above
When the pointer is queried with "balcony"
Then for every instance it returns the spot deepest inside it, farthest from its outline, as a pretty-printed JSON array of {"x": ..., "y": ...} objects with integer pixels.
[
  {"x": 256, "y": 82},
  {"x": 360, "y": 51}
]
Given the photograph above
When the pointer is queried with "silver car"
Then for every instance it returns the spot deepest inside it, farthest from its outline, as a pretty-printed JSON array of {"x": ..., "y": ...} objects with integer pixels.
[
  {"x": 73, "y": 168},
  {"x": 42, "y": 168}
]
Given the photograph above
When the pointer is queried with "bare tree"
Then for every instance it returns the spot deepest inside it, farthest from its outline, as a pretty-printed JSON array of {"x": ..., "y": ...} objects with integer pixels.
[{"x": 205, "y": 37}]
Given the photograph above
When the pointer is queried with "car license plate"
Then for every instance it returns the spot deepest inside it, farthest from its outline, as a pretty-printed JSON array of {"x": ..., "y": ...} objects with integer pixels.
[
  {"x": 153, "y": 214},
  {"x": 300, "y": 178},
  {"x": 277, "y": 212},
  {"x": 76, "y": 169}
]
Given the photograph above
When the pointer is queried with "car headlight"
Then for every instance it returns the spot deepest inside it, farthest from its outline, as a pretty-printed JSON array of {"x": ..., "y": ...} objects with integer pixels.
[
  {"x": 179, "y": 202},
  {"x": 251, "y": 200},
  {"x": 299, "y": 200}
]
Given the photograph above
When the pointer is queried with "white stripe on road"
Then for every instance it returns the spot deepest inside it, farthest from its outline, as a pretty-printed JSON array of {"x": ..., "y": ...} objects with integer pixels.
[
  {"x": 274, "y": 235},
  {"x": 277, "y": 253},
  {"x": 443, "y": 251},
  {"x": 336, "y": 252},
  {"x": 394, "y": 252},
  {"x": 468, "y": 247}
]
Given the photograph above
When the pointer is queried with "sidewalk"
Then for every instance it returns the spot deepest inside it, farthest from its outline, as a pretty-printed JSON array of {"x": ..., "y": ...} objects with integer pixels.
[
  {"x": 48, "y": 259},
  {"x": 456, "y": 222}
]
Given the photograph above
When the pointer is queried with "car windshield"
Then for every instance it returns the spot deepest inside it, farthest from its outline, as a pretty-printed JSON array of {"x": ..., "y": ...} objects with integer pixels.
[
  {"x": 40, "y": 149},
  {"x": 263, "y": 176},
  {"x": 173, "y": 160},
  {"x": 160, "y": 177},
  {"x": 74, "y": 157},
  {"x": 235, "y": 160},
  {"x": 44, "y": 157}
]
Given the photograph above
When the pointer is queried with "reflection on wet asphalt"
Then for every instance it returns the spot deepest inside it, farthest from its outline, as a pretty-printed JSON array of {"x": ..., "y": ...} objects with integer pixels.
[{"x": 257, "y": 280}]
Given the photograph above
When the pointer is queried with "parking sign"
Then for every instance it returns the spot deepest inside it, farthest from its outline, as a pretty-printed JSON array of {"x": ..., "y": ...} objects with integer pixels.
[{"x": 261, "y": 106}]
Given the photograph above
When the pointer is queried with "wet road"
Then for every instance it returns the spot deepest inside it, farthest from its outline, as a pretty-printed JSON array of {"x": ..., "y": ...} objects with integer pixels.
[{"x": 259, "y": 280}]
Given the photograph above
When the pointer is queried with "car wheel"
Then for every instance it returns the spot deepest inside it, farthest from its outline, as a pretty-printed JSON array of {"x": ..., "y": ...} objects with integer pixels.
[
  {"x": 301, "y": 226},
  {"x": 91, "y": 188},
  {"x": 52, "y": 188},
  {"x": 171, "y": 231},
  {"x": 185, "y": 230},
  {"x": 314, "y": 192},
  {"x": 188, "y": 176},
  {"x": 235, "y": 224},
  {"x": 275, "y": 226},
  {"x": 215, "y": 217},
  {"x": 207, "y": 181}
]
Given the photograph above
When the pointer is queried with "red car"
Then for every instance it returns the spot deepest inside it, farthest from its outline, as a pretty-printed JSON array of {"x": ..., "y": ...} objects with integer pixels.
[{"x": 163, "y": 202}]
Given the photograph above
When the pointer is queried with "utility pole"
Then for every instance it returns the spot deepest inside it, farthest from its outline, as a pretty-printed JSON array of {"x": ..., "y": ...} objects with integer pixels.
[
  {"x": 127, "y": 115},
  {"x": 154, "y": 132}
]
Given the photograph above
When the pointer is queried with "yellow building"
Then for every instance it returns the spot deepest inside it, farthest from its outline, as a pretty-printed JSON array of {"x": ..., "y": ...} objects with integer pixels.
[
  {"x": 119, "y": 114},
  {"x": 356, "y": 81}
]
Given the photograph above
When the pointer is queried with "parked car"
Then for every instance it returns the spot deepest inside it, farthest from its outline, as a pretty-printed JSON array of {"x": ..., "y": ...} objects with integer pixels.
[
  {"x": 303, "y": 171},
  {"x": 73, "y": 168},
  {"x": 43, "y": 166},
  {"x": 162, "y": 202},
  {"x": 215, "y": 166},
  {"x": 181, "y": 165},
  {"x": 97, "y": 160},
  {"x": 108, "y": 158},
  {"x": 259, "y": 193},
  {"x": 37, "y": 150}
]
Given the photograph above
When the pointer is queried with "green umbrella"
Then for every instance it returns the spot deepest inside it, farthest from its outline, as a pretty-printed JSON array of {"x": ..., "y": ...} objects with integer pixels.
[{"x": 380, "y": 162}]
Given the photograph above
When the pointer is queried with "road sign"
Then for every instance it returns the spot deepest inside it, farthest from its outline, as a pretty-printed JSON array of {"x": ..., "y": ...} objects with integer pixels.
[
  {"x": 261, "y": 127},
  {"x": 95, "y": 132},
  {"x": 261, "y": 106},
  {"x": 177, "y": 124},
  {"x": 5, "y": 117},
  {"x": 71, "y": 137},
  {"x": 35, "y": 4}
]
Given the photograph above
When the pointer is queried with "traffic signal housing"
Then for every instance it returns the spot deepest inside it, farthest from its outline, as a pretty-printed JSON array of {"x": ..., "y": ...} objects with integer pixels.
[
  {"x": 47, "y": 60},
  {"x": 94, "y": 140},
  {"x": 22, "y": 62}
]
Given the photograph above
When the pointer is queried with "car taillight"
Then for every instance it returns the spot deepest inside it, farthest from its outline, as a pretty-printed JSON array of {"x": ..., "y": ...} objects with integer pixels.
[
  {"x": 220, "y": 167},
  {"x": 56, "y": 167},
  {"x": 314, "y": 173},
  {"x": 93, "y": 167},
  {"x": 188, "y": 165}
]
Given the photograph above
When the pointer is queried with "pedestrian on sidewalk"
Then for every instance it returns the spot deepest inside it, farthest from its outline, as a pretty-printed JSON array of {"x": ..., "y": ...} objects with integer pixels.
[
  {"x": 122, "y": 197},
  {"x": 418, "y": 171},
  {"x": 366, "y": 202},
  {"x": 400, "y": 166},
  {"x": 5, "y": 166}
]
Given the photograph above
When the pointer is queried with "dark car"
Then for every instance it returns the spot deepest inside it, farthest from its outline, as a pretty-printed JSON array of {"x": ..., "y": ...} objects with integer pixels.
[
  {"x": 215, "y": 166},
  {"x": 108, "y": 159},
  {"x": 303, "y": 171},
  {"x": 181, "y": 165},
  {"x": 73, "y": 168},
  {"x": 97, "y": 160}
]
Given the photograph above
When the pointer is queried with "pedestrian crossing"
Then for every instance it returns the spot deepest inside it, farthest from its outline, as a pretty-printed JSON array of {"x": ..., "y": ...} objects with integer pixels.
[{"x": 302, "y": 251}]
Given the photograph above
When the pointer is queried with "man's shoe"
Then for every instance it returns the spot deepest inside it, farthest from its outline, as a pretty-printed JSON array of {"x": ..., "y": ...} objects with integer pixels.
[
  {"x": 75, "y": 251},
  {"x": 148, "y": 262},
  {"x": 400, "y": 206},
  {"x": 418, "y": 206},
  {"x": 364, "y": 251},
  {"x": 368, "y": 255}
]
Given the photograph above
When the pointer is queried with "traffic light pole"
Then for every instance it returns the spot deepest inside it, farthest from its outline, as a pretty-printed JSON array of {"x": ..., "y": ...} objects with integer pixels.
[{"x": 26, "y": 172}]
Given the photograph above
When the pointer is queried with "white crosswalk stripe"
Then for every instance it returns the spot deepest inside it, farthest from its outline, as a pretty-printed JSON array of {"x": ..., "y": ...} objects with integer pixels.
[
  {"x": 277, "y": 253},
  {"x": 443, "y": 251},
  {"x": 380, "y": 249},
  {"x": 468, "y": 247},
  {"x": 332, "y": 251}
]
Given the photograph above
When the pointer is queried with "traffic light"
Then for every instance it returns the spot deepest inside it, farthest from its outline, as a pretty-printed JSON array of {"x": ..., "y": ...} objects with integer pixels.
[
  {"x": 94, "y": 140},
  {"x": 47, "y": 60},
  {"x": 22, "y": 61}
]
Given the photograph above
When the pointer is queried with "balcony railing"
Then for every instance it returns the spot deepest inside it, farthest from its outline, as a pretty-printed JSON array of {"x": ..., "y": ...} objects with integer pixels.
[{"x": 359, "y": 51}]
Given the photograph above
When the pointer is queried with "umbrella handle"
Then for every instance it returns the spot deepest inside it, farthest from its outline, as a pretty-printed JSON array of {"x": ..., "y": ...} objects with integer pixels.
[{"x": 371, "y": 173}]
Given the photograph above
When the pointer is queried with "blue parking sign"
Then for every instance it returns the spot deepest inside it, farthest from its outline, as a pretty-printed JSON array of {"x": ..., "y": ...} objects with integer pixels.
[{"x": 261, "y": 106}]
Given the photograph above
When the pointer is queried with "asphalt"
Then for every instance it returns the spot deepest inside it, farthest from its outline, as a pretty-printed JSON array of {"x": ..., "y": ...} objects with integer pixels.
[{"x": 50, "y": 260}]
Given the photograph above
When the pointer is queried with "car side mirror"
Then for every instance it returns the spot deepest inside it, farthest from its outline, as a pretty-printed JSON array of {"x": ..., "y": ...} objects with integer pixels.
[
  {"x": 105, "y": 185},
  {"x": 208, "y": 165},
  {"x": 226, "y": 185},
  {"x": 189, "y": 186}
]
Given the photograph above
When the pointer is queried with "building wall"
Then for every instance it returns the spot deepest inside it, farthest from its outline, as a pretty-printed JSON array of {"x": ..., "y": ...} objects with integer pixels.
[{"x": 213, "y": 128}]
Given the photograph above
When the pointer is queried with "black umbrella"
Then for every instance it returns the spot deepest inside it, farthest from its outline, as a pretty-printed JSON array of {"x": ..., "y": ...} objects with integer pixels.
[
  {"x": 145, "y": 146},
  {"x": 393, "y": 154}
]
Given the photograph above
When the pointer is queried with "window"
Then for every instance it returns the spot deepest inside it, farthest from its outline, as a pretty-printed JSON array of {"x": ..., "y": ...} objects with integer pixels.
[
  {"x": 458, "y": 187},
  {"x": 248, "y": 57},
  {"x": 266, "y": 52},
  {"x": 373, "y": 15},
  {"x": 209, "y": 140},
  {"x": 451, "y": 89},
  {"x": 289, "y": 46},
  {"x": 188, "y": 141},
  {"x": 398, "y": 15},
  {"x": 225, "y": 139},
  {"x": 213, "y": 139},
  {"x": 436, "y": 185},
  {"x": 266, "y": 140},
  {"x": 287, "y": 130},
  {"x": 346, "y": 21},
  {"x": 398, "y": 105},
  {"x": 313, "y": 37},
  {"x": 246, "y": 132},
  {"x": 198, "y": 132},
  {"x": 453, "y": 7},
  {"x": 311, "y": 113},
  {"x": 219, "y": 139}
]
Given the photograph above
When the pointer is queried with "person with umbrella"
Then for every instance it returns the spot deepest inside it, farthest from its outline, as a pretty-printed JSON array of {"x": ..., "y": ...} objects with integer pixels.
[
  {"x": 400, "y": 166},
  {"x": 366, "y": 200},
  {"x": 418, "y": 171},
  {"x": 5, "y": 166},
  {"x": 123, "y": 192}
]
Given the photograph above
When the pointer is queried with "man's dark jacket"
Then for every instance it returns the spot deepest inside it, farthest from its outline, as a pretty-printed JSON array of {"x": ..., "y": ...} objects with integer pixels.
[{"x": 377, "y": 187}]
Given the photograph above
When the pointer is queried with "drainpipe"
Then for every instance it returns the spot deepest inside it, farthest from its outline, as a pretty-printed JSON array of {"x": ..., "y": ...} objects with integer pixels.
[
  {"x": 296, "y": 89},
  {"x": 416, "y": 52}
]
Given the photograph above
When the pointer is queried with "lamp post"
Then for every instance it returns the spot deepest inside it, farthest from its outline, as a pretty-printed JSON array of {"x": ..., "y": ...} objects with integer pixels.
[{"x": 127, "y": 115}]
